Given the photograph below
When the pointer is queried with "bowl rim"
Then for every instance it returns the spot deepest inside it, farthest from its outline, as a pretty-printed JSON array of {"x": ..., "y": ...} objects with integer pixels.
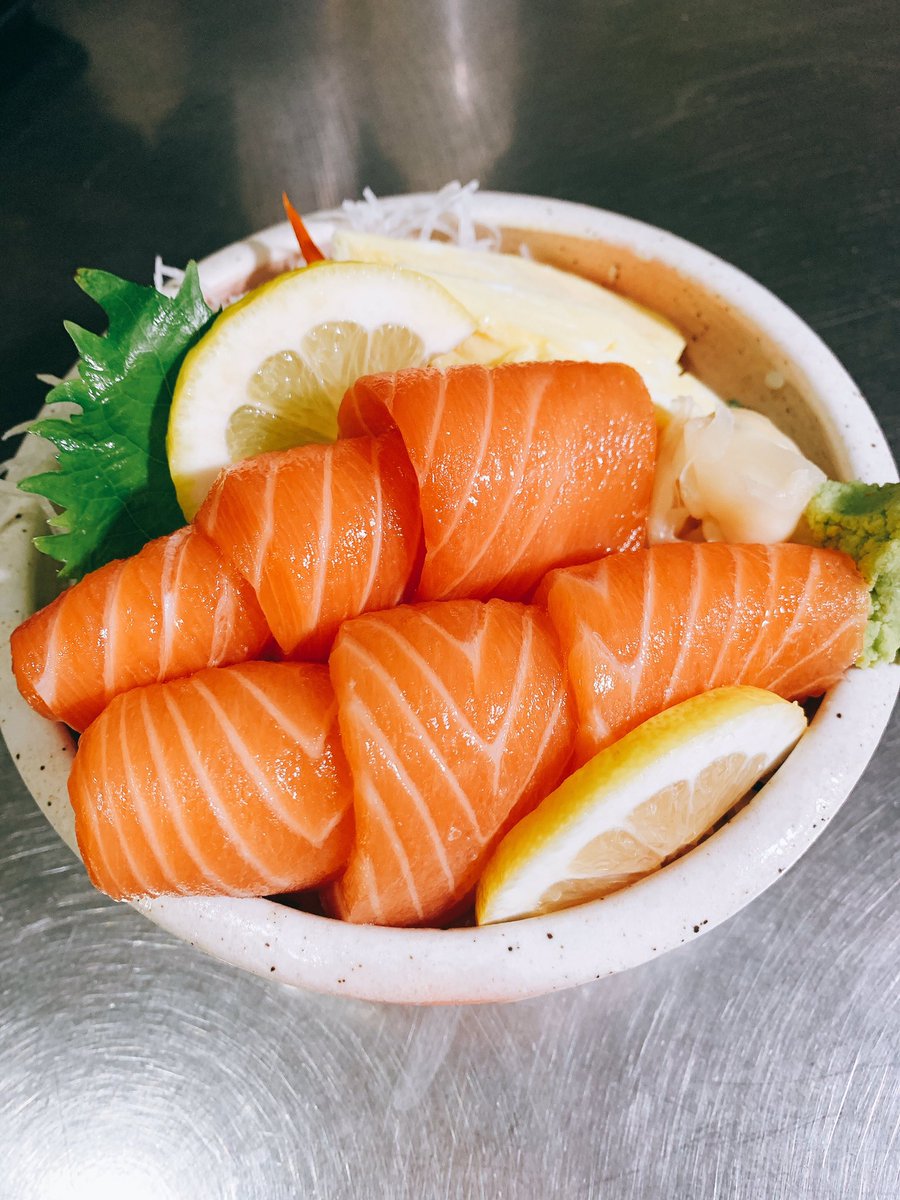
[{"x": 514, "y": 960}]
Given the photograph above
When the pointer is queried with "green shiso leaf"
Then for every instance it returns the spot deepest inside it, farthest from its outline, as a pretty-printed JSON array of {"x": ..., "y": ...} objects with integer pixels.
[{"x": 112, "y": 483}]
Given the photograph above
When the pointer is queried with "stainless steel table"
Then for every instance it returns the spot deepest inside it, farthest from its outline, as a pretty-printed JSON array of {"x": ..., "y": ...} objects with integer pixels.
[{"x": 761, "y": 1061}]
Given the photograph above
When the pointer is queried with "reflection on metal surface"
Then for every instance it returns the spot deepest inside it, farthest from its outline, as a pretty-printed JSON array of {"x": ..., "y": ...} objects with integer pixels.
[
  {"x": 113, "y": 1175},
  {"x": 428, "y": 1043},
  {"x": 450, "y": 114},
  {"x": 312, "y": 137}
]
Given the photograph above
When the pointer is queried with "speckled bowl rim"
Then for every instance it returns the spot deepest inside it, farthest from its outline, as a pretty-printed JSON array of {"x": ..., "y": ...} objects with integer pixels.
[{"x": 524, "y": 958}]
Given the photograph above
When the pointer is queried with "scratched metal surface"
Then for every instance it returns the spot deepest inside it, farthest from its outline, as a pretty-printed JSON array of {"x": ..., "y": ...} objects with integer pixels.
[{"x": 760, "y": 1061}]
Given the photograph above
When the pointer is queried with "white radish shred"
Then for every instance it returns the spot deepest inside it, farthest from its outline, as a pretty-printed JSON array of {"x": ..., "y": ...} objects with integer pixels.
[
  {"x": 15, "y": 430},
  {"x": 447, "y": 214},
  {"x": 9, "y": 486},
  {"x": 730, "y": 475},
  {"x": 166, "y": 279},
  {"x": 20, "y": 466},
  {"x": 58, "y": 409}
]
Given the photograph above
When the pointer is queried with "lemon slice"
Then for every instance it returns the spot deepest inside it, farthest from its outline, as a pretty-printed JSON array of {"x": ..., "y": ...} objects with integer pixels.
[
  {"x": 531, "y": 310},
  {"x": 271, "y": 370},
  {"x": 639, "y": 803}
]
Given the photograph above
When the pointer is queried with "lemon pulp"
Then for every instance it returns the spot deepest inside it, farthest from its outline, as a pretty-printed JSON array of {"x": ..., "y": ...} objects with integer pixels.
[{"x": 293, "y": 396}]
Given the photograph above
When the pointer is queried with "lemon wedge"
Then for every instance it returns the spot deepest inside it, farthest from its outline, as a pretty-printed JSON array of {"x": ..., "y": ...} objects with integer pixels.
[
  {"x": 639, "y": 803},
  {"x": 272, "y": 369}
]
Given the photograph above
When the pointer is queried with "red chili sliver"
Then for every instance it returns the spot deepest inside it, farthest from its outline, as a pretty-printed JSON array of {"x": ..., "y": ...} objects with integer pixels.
[{"x": 311, "y": 251}]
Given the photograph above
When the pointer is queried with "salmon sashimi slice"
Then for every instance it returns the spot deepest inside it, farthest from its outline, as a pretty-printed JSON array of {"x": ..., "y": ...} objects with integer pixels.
[
  {"x": 521, "y": 467},
  {"x": 169, "y": 611},
  {"x": 230, "y": 783},
  {"x": 456, "y": 719},
  {"x": 644, "y": 631},
  {"x": 321, "y": 533}
]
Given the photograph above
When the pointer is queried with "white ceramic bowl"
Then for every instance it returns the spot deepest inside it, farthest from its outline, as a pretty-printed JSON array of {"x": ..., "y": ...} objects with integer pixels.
[{"x": 743, "y": 342}]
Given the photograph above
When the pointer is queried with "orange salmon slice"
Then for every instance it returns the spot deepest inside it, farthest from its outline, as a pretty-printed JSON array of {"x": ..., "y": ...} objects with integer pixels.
[
  {"x": 321, "y": 533},
  {"x": 520, "y": 467},
  {"x": 169, "y": 611},
  {"x": 456, "y": 720},
  {"x": 230, "y": 783},
  {"x": 643, "y": 631}
]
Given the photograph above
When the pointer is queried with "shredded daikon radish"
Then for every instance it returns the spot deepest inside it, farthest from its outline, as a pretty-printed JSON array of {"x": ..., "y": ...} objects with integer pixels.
[
  {"x": 9, "y": 486},
  {"x": 18, "y": 467},
  {"x": 166, "y": 279},
  {"x": 58, "y": 409},
  {"x": 15, "y": 430},
  {"x": 446, "y": 214}
]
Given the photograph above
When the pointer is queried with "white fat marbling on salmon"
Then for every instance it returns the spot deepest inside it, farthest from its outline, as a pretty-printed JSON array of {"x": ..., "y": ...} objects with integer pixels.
[
  {"x": 312, "y": 745},
  {"x": 110, "y": 809},
  {"x": 223, "y": 623},
  {"x": 267, "y": 526},
  {"x": 170, "y": 596},
  {"x": 453, "y": 713},
  {"x": 45, "y": 685},
  {"x": 749, "y": 669},
  {"x": 686, "y": 649},
  {"x": 383, "y": 746},
  {"x": 111, "y": 615},
  {"x": 473, "y": 649},
  {"x": 174, "y": 804},
  {"x": 215, "y": 499},
  {"x": 737, "y": 588},
  {"x": 430, "y": 676},
  {"x": 530, "y": 531},
  {"x": 93, "y": 814},
  {"x": 440, "y": 404},
  {"x": 466, "y": 488},
  {"x": 496, "y": 747},
  {"x": 391, "y": 688},
  {"x": 172, "y": 609},
  {"x": 588, "y": 646},
  {"x": 371, "y": 888},
  {"x": 140, "y": 812},
  {"x": 376, "y": 527},
  {"x": 501, "y": 512},
  {"x": 220, "y": 810},
  {"x": 778, "y": 684},
  {"x": 638, "y": 665},
  {"x": 269, "y": 795},
  {"x": 378, "y": 812},
  {"x": 700, "y": 616},
  {"x": 559, "y": 709},
  {"x": 323, "y": 543},
  {"x": 801, "y": 612}
]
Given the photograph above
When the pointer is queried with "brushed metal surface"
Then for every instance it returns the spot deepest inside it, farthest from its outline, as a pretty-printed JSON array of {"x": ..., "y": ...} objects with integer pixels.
[{"x": 760, "y": 1061}]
